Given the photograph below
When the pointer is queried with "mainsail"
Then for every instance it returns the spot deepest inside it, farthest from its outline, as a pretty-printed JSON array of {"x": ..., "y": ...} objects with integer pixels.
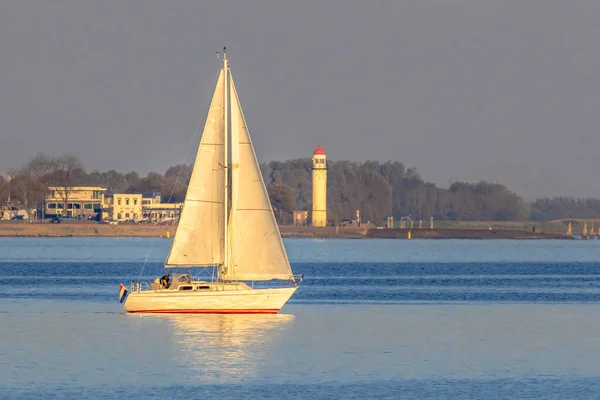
[
  {"x": 199, "y": 236},
  {"x": 255, "y": 245}
]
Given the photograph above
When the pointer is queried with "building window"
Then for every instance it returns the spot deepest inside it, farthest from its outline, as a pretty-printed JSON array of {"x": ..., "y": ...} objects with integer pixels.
[
  {"x": 96, "y": 194},
  {"x": 126, "y": 215},
  {"x": 127, "y": 201},
  {"x": 51, "y": 205},
  {"x": 119, "y": 201},
  {"x": 118, "y": 215},
  {"x": 135, "y": 202},
  {"x": 88, "y": 206}
]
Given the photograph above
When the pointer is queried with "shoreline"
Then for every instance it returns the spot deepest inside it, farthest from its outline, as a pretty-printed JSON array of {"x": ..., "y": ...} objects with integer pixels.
[{"x": 93, "y": 229}]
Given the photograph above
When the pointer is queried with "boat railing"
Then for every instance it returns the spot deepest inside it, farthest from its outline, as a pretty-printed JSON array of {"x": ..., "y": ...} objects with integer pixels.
[{"x": 137, "y": 287}]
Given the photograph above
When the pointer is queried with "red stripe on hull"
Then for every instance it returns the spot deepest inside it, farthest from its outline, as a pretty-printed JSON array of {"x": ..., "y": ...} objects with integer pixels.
[{"x": 266, "y": 311}]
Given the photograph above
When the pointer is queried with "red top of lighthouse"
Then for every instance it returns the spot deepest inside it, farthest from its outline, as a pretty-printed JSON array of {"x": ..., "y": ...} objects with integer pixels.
[{"x": 319, "y": 151}]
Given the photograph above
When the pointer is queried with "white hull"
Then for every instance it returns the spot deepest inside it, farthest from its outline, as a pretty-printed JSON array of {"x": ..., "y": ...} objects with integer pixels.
[{"x": 245, "y": 301}]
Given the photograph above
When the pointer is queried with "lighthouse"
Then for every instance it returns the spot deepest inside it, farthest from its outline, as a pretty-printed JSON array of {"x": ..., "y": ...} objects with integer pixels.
[{"x": 319, "y": 192}]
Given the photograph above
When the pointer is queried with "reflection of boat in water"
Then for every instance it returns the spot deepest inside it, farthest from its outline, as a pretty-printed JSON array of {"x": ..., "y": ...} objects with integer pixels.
[
  {"x": 227, "y": 224},
  {"x": 223, "y": 347}
]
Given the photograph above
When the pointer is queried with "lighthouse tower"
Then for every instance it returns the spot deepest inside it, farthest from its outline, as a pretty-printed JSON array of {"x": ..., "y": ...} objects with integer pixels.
[{"x": 319, "y": 192}]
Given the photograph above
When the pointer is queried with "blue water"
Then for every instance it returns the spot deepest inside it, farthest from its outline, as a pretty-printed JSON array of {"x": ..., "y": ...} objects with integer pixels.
[{"x": 372, "y": 319}]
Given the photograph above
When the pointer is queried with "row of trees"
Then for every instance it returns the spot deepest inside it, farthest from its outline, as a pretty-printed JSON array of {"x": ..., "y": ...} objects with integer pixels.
[
  {"x": 547, "y": 209},
  {"x": 376, "y": 189},
  {"x": 28, "y": 185},
  {"x": 379, "y": 190}
]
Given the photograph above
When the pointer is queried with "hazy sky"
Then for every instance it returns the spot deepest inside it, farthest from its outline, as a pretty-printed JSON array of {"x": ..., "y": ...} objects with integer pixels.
[{"x": 505, "y": 90}]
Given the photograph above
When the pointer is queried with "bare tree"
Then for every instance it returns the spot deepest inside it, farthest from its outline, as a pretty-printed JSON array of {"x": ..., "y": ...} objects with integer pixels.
[
  {"x": 34, "y": 176},
  {"x": 283, "y": 200},
  {"x": 3, "y": 190},
  {"x": 177, "y": 179},
  {"x": 153, "y": 182},
  {"x": 68, "y": 172}
]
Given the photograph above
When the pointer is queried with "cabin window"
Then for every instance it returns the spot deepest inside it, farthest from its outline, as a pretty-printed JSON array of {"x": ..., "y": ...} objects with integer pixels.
[
  {"x": 185, "y": 287},
  {"x": 202, "y": 287}
]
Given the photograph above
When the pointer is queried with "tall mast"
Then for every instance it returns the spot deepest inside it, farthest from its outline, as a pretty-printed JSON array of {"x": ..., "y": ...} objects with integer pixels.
[{"x": 225, "y": 158}]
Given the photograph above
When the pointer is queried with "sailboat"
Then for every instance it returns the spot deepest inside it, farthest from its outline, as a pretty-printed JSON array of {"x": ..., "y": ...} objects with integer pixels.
[{"x": 227, "y": 227}]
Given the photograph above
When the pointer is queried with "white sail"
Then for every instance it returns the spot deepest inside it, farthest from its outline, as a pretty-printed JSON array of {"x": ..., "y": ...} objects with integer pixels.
[
  {"x": 199, "y": 236},
  {"x": 256, "y": 248}
]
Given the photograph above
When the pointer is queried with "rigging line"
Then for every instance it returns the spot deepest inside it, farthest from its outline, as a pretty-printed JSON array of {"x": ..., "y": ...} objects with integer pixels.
[
  {"x": 187, "y": 151},
  {"x": 145, "y": 262},
  {"x": 184, "y": 160}
]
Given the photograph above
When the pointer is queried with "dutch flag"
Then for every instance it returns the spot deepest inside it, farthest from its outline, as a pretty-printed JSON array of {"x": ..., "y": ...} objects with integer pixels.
[{"x": 122, "y": 292}]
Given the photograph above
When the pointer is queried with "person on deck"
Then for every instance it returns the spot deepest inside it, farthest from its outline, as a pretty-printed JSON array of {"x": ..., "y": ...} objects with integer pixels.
[{"x": 164, "y": 281}]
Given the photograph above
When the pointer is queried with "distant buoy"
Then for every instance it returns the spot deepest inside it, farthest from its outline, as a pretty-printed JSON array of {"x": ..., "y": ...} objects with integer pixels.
[
  {"x": 168, "y": 235},
  {"x": 409, "y": 235}
]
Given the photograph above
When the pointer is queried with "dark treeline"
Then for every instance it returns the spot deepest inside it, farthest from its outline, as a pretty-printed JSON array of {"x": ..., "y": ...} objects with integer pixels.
[
  {"x": 545, "y": 209},
  {"x": 377, "y": 189}
]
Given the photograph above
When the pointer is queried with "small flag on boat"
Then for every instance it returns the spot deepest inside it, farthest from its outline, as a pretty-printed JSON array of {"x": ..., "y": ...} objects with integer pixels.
[{"x": 122, "y": 292}]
